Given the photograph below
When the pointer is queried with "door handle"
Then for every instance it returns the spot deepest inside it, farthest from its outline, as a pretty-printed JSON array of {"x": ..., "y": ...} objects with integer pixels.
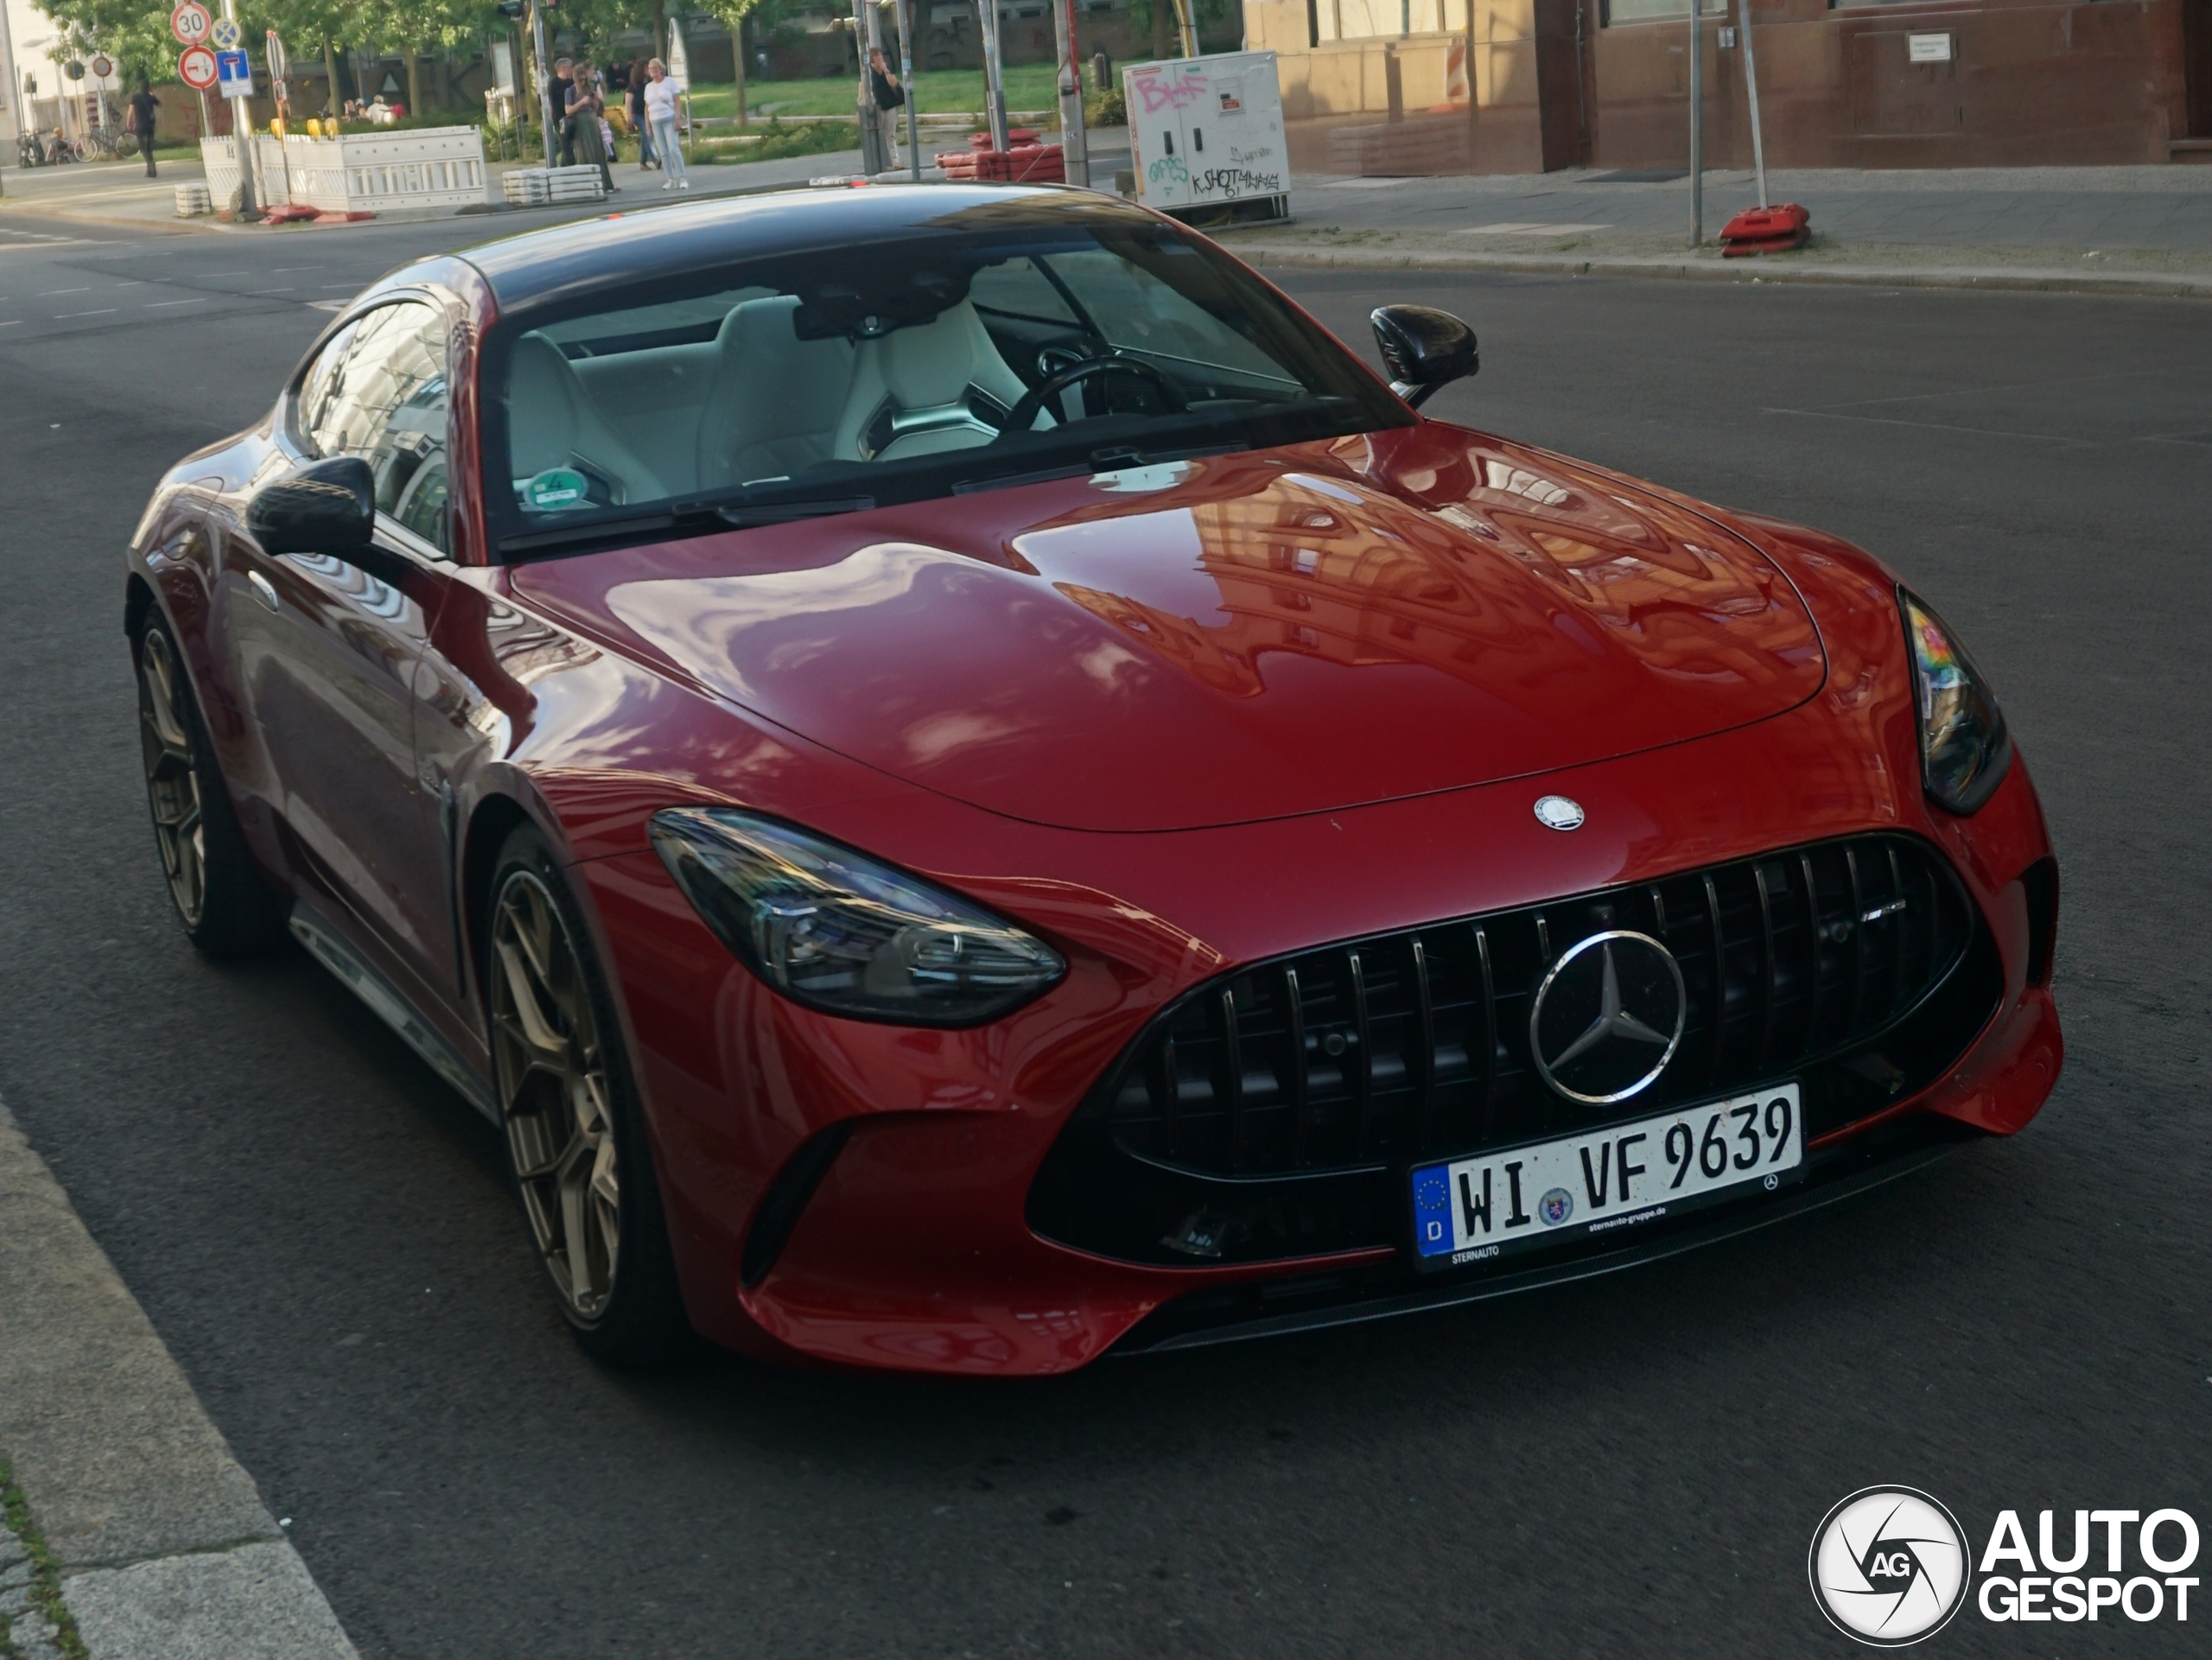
[{"x": 264, "y": 589}]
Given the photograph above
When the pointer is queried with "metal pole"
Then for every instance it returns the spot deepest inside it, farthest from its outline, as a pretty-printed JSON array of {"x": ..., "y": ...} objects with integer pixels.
[
  {"x": 914, "y": 97},
  {"x": 544, "y": 82},
  {"x": 1697, "y": 123},
  {"x": 1075, "y": 141},
  {"x": 242, "y": 135},
  {"x": 13, "y": 154},
  {"x": 864, "y": 119},
  {"x": 1752, "y": 86},
  {"x": 1186, "y": 27},
  {"x": 993, "y": 77}
]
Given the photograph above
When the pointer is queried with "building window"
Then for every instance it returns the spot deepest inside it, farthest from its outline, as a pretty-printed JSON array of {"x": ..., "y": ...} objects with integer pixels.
[
  {"x": 1659, "y": 11},
  {"x": 1383, "y": 20}
]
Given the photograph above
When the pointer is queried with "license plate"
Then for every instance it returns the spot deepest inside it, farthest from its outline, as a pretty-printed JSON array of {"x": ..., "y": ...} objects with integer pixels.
[{"x": 1606, "y": 1181}]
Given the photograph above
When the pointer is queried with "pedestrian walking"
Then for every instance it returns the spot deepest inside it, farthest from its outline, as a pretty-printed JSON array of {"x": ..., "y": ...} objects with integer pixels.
[
  {"x": 660, "y": 116},
  {"x": 634, "y": 102},
  {"x": 585, "y": 109},
  {"x": 890, "y": 98},
  {"x": 138, "y": 122}
]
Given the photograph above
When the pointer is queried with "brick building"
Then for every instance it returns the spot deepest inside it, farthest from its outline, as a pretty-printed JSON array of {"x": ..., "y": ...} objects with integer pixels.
[{"x": 1525, "y": 86}]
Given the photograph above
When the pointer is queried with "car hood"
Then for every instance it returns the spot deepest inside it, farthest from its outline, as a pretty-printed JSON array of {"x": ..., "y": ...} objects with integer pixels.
[{"x": 1231, "y": 639}]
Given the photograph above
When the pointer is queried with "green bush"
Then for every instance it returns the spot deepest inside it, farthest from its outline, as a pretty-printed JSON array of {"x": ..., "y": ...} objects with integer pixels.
[{"x": 1105, "y": 110}]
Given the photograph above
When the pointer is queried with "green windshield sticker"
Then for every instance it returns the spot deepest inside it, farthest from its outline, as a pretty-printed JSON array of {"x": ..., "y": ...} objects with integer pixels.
[{"x": 555, "y": 489}]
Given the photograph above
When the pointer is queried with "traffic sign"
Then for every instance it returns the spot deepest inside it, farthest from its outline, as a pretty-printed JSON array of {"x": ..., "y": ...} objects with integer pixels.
[
  {"x": 279, "y": 59},
  {"x": 224, "y": 34},
  {"x": 190, "y": 23},
  {"x": 102, "y": 68},
  {"x": 195, "y": 67},
  {"x": 234, "y": 70}
]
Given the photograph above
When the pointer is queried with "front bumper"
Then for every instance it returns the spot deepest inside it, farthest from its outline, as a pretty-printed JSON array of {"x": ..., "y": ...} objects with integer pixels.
[{"x": 915, "y": 1251}]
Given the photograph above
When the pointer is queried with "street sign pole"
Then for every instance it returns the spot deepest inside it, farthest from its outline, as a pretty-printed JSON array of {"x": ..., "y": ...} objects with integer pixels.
[
  {"x": 993, "y": 77},
  {"x": 1752, "y": 86},
  {"x": 544, "y": 81},
  {"x": 242, "y": 133},
  {"x": 871, "y": 130},
  {"x": 1697, "y": 123},
  {"x": 914, "y": 97},
  {"x": 1075, "y": 142}
]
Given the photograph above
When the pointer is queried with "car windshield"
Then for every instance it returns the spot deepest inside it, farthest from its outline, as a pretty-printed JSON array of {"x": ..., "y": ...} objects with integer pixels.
[{"x": 816, "y": 383}]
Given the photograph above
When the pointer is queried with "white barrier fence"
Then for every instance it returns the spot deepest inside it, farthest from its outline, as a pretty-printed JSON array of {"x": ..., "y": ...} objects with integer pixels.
[{"x": 356, "y": 173}]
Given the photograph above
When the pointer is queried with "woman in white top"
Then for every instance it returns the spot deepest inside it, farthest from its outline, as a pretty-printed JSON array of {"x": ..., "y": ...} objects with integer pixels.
[{"x": 660, "y": 116}]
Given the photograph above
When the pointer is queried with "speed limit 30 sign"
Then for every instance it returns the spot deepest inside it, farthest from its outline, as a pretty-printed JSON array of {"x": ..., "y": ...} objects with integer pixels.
[{"x": 190, "y": 23}]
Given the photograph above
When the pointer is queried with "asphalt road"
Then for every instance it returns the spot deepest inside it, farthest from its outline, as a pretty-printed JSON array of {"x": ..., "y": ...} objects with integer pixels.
[{"x": 1635, "y": 1465}]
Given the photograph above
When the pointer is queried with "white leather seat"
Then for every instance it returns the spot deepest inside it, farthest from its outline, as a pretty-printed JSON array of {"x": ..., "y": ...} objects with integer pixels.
[
  {"x": 773, "y": 403},
  {"x": 551, "y": 421},
  {"x": 927, "y": 367}
]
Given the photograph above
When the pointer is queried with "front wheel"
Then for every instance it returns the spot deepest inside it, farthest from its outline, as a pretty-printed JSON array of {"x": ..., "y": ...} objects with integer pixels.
[{"x": 575, "y": 1138}]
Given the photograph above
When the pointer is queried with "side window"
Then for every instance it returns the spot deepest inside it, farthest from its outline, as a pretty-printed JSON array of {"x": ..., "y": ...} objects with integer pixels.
[{"x": 378, "y": 391}]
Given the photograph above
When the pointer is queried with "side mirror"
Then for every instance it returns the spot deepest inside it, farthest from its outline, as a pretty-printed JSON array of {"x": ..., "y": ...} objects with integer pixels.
[
  {"x": 1423, "y": 348},
  {"x": 328, "y": 507}
]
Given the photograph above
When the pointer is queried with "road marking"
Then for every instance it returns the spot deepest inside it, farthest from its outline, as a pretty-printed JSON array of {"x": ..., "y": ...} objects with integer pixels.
[
  {"x": 252, "y": 291},
  {"x": 60, "y": 315},
  {"x": 157, "y": 304},
  {"x": 45, "y": 293},
  {"x": 12, "y": 322},
  {"x": 1528, "y": 228},
  {"x": 327, "y": 305}
]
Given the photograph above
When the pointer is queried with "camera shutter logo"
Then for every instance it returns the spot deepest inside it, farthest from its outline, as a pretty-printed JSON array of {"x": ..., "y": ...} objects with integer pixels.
[{"x": 1889, "y": 1566}]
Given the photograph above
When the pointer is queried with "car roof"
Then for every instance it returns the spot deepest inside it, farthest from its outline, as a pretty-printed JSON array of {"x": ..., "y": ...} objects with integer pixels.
[{"x": 624, "y": 249}]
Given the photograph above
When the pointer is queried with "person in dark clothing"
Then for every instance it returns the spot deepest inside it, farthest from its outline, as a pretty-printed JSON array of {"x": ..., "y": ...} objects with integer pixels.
[
  {"x": 633, "y": 101},
  {"x": 564, "y": 91},
  {"x": 144, "y": 103},
  {"x": 890, "y": 98}
]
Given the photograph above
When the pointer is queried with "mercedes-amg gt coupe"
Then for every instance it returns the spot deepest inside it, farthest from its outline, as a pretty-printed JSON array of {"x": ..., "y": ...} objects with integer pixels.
[{"x": 969, "y": 788}]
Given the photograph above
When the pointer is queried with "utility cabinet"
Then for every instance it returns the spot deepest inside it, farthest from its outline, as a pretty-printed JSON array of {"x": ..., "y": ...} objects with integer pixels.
[{"x": 1205, "y": 137}]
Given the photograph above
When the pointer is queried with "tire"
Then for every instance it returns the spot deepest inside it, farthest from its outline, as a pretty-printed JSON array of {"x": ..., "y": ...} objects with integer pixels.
[
  {"x": 576, "y": 1144},
  {"x": 225, "y": 904}
]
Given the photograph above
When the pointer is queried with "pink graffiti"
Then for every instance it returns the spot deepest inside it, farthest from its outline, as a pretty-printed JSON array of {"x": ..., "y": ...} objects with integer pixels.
[{"x": 1168, "y": 95}]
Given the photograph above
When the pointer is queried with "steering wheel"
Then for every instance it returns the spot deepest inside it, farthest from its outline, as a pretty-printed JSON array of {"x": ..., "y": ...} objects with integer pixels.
[{"x": 1023, "y": 416}]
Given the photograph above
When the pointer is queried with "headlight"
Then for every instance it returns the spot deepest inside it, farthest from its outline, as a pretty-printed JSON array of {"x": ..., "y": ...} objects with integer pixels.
[
  {"x": 1964, "y": 748},
  {"x": 837, "y": 932}
]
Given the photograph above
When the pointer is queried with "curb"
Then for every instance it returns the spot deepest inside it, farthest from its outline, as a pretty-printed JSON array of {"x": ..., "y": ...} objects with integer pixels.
[
  {"x": 1994, "y": 280},
  {"x": 154, "y": 1536}
]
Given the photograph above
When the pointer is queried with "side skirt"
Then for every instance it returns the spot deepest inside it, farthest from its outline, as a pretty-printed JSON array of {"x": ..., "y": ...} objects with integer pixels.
[{"x": 390, "y": 1006}]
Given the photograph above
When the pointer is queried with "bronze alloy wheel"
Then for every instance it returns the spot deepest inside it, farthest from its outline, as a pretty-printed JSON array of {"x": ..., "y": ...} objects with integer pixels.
[
  {"x": 554, "y": 1094},
  {"x": 172, "y": 778}
]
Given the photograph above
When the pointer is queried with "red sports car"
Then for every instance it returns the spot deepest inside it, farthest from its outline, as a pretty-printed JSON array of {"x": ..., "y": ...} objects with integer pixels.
[{"x": 969, "y": 788}]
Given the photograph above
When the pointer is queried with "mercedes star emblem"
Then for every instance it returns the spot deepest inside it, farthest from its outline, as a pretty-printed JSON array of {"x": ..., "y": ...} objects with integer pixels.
[
  {"x": 1559, "y": 812},
  {"x": 1608, "y": 1017}
]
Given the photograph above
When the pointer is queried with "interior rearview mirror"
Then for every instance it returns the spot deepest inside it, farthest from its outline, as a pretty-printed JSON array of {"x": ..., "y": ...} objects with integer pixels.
[
  {"x": 328, "y": 507},
  {"x": 1423, "y": 348}
]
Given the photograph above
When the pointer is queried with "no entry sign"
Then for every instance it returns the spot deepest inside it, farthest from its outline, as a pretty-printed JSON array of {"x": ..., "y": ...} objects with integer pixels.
[
  {"x": 195, "y": 67},
  {"x": 190, "y": 23}
]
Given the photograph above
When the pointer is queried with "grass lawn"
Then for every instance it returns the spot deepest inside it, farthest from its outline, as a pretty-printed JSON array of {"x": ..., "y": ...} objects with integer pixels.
[{"x": 941, "y": 92}]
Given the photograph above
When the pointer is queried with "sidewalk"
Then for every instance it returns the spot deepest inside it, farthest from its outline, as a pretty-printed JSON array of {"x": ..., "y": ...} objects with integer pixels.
[
  {"x": 2127, "y": 230},
  {"x": 130, "y": 1532}
]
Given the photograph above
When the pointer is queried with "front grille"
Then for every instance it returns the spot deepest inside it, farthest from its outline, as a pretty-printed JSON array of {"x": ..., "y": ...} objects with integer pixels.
[{"x": 1246, "y": 1095}]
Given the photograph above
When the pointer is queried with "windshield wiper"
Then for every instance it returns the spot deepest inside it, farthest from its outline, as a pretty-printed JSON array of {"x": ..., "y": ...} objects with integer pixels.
[{"x": 683, "y": 518}]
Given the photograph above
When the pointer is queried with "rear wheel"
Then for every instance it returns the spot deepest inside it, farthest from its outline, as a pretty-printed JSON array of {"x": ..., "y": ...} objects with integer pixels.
[
  {"x": 226, "y": 906},
  {"x": 575, "y": 1138}
]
